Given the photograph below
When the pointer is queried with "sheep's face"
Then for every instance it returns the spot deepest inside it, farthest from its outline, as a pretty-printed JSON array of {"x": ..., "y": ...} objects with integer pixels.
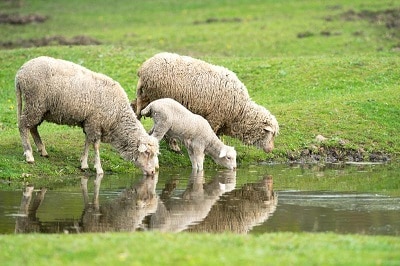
[
  {"x": 270, "y": 129},
  {"x": 227, "y": 157},
  {"x": 147, "y": 159},
  {"x": 267, "y": 143}
]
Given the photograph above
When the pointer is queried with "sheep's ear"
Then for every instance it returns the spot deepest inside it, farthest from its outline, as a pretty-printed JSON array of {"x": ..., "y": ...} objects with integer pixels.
[
  {"x": 268, "y": 128},
  {"x": 142, "y": 148},
  {"x": 222, "y": 153}
]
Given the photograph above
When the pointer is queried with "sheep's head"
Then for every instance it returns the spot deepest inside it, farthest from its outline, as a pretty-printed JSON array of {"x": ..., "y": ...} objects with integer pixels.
[
  {"x": 227, "y": 157},
  {"x": 147, "y": 158},
  {"x": 259, "y": 128}
]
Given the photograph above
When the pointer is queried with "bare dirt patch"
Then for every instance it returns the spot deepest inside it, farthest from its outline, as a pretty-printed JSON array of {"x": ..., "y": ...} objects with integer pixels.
[
  {"x": 49, "y": 41},
  {"x": 218, "y": 20},
  {"x": 16, "y": 19},
  {"x": 389, "y": 17},
  {"x": 334, "y": 151}
]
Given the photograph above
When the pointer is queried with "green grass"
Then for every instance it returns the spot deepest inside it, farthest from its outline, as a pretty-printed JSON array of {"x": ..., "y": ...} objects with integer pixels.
[
  {"x": 344, "y": 86},
  {"x": 200, "y": 249}
]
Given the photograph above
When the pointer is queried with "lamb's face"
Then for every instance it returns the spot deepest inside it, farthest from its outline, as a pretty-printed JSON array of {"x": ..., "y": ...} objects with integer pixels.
[
  {"x": 227, "y": 157},
  {"x": 147, "y": 159}
]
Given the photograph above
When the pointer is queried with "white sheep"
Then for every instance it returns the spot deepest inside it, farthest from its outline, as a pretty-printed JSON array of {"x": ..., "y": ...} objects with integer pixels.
[
  {"x": 211, "y": 91},
  {"x": 62, "y": 92},
  {"x": 173, "y": 119}
]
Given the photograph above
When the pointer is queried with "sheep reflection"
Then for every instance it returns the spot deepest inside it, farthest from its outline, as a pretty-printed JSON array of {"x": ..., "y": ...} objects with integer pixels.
[
  {"x": 175, "y": 214},
  {"x": 214, "y": 206}
]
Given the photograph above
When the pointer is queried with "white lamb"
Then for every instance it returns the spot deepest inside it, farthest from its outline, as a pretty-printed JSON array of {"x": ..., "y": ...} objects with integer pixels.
[
  {"x": 62, "y": 92},
  {"x": 174, "y": 120}
]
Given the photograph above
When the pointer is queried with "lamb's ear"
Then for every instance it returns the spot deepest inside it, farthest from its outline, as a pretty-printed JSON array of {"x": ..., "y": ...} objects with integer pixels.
[
  {"x": 142, "y": 148},
  {"x": 222, "y": 153},
  {"x": 268, "y": 128}
]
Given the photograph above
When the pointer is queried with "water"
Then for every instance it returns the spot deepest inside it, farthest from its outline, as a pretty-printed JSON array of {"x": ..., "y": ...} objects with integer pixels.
[{"x": 361, "y": 199}]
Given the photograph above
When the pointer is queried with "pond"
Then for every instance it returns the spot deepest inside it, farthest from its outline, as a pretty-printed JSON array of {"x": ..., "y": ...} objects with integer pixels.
[{"x": 342, "y": 198}]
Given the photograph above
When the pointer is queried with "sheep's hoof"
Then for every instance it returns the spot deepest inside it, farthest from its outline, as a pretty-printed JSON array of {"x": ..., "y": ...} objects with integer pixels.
[
  {"x": 84, "y": 169},
  {"x": 30, "y": 162},
  {"x": 44, "y": 155}
]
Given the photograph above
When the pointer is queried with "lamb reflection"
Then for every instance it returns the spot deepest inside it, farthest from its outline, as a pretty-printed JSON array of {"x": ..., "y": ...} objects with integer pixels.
[
  {"x": 175, "y": 214},
  {"x": 214, "y": 206}
]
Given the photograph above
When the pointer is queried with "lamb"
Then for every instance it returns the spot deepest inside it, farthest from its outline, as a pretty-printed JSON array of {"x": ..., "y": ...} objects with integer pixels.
[
  {"x": 62, "y": 92},
  {"x": 213, "y": 92},
  {"x": 173, "y": 119}
]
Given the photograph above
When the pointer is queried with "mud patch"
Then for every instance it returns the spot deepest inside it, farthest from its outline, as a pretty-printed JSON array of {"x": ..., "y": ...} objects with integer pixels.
[
  {"x": 50, "y": 41},
  {"x": 334, "y": 151},
  {"x": 218, "y": 20},
  {"x": 16, "y": 19},
  {"x": 390, "y": 17}
]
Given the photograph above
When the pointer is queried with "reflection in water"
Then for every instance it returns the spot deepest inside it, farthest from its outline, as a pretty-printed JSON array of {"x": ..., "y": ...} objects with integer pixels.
[
  {"x": 214, "y": 206},
  {"x": 175, "y": 214},
  {"x": 241, "y": 209}
]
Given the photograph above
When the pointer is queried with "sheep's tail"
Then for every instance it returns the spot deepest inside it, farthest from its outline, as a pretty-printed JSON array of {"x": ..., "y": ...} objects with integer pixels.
[{"x": 18, "y": 93}]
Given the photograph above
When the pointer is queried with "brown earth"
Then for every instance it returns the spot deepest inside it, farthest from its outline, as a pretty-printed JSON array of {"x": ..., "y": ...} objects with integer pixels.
[
  {"x": 50, "y": 40},
  {"x": 16, "y": 19}
]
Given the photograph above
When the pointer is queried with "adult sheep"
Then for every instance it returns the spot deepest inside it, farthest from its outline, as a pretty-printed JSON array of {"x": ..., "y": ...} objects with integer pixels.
[
  {"x": 62, "y": 92},
  {"x": 174, "y": 120},
  {"x": 213, "y": 92}
]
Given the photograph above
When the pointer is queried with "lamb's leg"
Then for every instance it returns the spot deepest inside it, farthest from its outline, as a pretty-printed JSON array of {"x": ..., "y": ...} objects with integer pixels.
[
  {"x": 38, "y": 141},
  {"x": 85, "y": 155},
  {"x": 97, "y": 162},
  {"x": 196, "y": 156}
]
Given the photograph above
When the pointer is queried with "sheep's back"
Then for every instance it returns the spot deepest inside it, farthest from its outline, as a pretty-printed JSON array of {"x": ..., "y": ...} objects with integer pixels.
[
  {"x": 201, "y": 87},
  {"x": 69, "y": 92}
]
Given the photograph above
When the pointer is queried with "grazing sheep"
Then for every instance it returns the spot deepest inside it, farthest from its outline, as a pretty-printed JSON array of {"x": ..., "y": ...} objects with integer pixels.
[
  {"x": 211, "y": 91},
  {"x": 173, "y": 119},
  {"x": 62, "y": 92}
]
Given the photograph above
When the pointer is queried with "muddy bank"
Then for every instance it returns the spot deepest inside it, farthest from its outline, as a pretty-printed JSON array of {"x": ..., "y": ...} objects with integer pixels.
[
  {"x": 50, "y": 40},
  {"x": 334, "y": 151}
]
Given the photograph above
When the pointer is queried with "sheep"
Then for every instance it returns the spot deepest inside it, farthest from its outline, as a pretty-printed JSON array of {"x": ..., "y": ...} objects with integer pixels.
[
  {"x": 213, "y": 92},
  {"x": 173, "y": 119},
  {"x": 65, "y": 93}
]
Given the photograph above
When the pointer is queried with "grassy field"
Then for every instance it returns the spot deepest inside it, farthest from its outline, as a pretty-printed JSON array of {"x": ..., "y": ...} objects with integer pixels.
[
  {"x": 320, "y": 68},
  {"x": 328, "y": 69},
  {"x": 190, "y": 249}
]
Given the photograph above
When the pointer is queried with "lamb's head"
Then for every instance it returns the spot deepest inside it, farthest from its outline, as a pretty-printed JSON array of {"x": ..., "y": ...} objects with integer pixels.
[
  {"x": 227, "y": 157},
  {"x": 258, "y": 127},
  {"x": 147, "y": 158}
]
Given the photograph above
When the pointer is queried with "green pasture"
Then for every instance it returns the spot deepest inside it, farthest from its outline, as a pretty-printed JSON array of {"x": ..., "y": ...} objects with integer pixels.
[{"x": 321, "y": 67}]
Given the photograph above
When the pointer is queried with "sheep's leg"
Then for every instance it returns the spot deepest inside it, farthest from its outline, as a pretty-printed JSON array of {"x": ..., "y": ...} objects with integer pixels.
[
  {"x": 24, "y": 133},
  {"x": 85, "y": 155},
  {"x": 97, "y": 162},
  {"x": 26, "y": 145},
  {"x": 38, "y": 141}
]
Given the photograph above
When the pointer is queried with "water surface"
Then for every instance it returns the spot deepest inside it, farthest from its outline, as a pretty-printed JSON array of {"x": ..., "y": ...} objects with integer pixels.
[{"x": 362, "y": 199}]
